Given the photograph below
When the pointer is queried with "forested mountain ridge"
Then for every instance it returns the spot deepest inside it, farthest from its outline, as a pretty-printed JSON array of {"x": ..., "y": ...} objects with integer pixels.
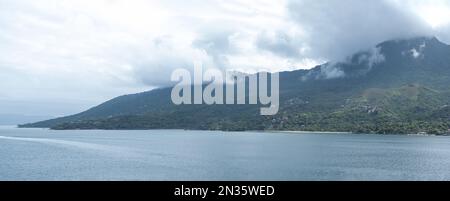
[{"x": 398, "y": 86}]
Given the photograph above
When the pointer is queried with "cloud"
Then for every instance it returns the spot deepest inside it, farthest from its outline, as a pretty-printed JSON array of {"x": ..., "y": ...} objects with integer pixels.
[
  {"x": 330, "y": 71},
  {"x": 363, "y": 61},
  {"x": 443, "y": 33},
  {"x": 153, "y": 65},
  {"x": 280, "y": 43},
  {"x": 336, "y": 28},
  {"x": 75, "y": 54},
  {"x": 371, "y": 57},
  {"x": 216, "y": 43}
]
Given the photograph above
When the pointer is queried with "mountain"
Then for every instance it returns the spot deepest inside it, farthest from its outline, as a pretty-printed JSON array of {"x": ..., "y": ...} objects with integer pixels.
[{"x": 398, "y": 86}]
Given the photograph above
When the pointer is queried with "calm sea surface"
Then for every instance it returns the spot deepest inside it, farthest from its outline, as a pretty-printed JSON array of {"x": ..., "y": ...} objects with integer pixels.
[{"x": 41, "y": 154}]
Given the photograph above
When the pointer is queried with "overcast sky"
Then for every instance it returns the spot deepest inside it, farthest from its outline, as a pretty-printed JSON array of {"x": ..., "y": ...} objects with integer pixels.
[{"x": 60, "y": 57}]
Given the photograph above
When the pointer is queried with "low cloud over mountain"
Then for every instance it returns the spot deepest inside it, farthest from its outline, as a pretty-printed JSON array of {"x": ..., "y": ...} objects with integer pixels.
[{"x": 88, "y": 51}]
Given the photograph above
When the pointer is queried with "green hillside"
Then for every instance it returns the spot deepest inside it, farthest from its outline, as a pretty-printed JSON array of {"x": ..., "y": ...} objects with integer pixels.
[{"x": 399, "y": 87}]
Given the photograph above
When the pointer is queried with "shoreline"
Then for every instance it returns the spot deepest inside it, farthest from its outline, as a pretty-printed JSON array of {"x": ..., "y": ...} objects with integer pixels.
[
  {"x": 262, "y": 131},
  {"x": 306, "y": 132},
  {"x": 336, "y": 132}
]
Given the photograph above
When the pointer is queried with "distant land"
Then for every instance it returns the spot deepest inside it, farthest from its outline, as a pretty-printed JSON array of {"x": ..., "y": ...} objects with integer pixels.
[{"x": 397, "y": 87}]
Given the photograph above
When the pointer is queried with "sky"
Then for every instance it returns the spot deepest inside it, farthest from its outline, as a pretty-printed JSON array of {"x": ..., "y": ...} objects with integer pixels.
[{"x": 59, "y": 57}]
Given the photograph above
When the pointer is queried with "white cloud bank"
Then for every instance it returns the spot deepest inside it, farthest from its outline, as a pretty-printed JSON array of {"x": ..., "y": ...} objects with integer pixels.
[{"x": 61, "y": 56}]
